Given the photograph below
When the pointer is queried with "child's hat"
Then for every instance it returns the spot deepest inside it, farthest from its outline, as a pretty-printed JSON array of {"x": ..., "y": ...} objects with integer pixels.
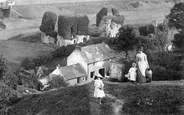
[{"x": 98, "y": 75}]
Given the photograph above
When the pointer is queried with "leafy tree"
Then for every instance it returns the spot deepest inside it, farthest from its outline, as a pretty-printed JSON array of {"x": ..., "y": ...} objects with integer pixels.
[
  {"x": 176, "y": 19},
  {"x": 176, "y": 16},
  {"x": 6, "y": 75},
  {"x": 126, "y": 39},
  {"x": 8, "y": 84}
]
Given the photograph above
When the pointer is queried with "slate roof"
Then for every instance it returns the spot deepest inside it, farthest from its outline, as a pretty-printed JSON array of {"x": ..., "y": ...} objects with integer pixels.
[
  {"x": 96, "y": 52},
  {"x": 72, "y": 71}
]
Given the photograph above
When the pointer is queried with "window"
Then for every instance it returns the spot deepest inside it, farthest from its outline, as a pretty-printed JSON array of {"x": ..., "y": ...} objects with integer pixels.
[{"x": 78, "y": 80}]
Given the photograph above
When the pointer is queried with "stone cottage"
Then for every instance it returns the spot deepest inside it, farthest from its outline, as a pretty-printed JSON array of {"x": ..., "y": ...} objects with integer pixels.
[
  {"x": 73, "y": 74},
  {"x": 93, "y": 58}
]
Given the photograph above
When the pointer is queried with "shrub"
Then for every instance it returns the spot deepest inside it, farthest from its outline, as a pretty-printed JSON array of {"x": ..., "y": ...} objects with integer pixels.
[
  {"x": 48, "y": 22},
  {"x": 71, "y": 25},
  {"x": 161, "y": 73},
  {"x": 82, "y": 25},
  {"x": 30, "y": 81},
  {"x": 167, "y": 60},
  {"x": 27, "y": 64},
  {"x": 57, "y": 82},
  {"x": 67, "y": 26},
  {"x": 115, "y": 11},
  {"x": 41, "y": 60},
  {"x": 100, "y": 14},
  {"x": 60, "y": 52},
  {"x": 178, "y": 40}
]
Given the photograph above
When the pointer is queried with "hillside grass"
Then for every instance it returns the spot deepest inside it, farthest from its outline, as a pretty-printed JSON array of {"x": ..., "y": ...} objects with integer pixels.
[{"x": 156, "y": 98}]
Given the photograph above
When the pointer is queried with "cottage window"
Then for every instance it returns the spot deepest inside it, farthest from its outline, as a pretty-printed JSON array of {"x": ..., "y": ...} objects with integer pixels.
[{"x": 78, "y": 80}]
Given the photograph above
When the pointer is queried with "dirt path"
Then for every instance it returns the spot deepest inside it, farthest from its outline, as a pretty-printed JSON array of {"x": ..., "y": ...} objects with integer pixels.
[{"x": 115, "y": 104}]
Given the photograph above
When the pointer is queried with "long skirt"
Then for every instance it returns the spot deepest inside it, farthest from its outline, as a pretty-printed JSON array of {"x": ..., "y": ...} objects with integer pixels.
[{"x": 141, "y": 77}]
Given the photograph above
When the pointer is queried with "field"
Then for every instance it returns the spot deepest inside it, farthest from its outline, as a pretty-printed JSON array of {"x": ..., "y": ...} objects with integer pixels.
[
  {"x": 156, "y": 98},
  {"x": 24, "y": 22}
]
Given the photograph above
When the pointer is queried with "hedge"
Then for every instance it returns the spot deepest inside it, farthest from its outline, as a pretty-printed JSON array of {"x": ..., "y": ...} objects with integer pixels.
[
  {"x": 115, "y": 12},
  {"x": 100, "y": 14},
  {"x": 48, "y": 22}
]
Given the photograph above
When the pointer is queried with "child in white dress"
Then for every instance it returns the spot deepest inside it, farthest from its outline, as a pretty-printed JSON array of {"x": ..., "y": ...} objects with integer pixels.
[
  {"x": 132, "y": 73},
  {"x": 99, "y": 92}
]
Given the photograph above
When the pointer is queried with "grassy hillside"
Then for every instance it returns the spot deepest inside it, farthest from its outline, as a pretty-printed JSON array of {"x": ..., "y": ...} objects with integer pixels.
[
  {"x": 154, "y": 98},
  {"x": 15, "y": 51}
]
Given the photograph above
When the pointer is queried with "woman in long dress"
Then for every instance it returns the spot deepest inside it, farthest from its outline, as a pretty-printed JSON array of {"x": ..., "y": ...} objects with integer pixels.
[
  {"x": 99, "y": 92},
  {"x": 142, "y": 65}
]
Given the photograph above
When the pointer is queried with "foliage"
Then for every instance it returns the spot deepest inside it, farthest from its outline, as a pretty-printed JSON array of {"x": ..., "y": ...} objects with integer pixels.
[
  {"x": 160, "y": 73},
  {"x": 8, "y": 84},
  {"x": 42, "y": 59},
  {"x": 146, "y": 30},
  {"x": 176, "y": 16},
  {"x": 157, "y": 43},
  {"x": 30, "y": 81},
  {"x": 176, "y": 20},
  {"x": 178, "y": 40},
  {"x": 126, "y": 39},
  {"x": 165, "y": 65},
  {"x": 6, "y": 75},
  {"x": 57, "y": 82},
  {"x": 27, "y": 64},
  {"x": 169, "y": 60}
]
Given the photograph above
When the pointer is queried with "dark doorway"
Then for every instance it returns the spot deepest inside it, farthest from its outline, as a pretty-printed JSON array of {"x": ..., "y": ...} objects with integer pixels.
[
  {"x": 92, "y": 74},
  {"x": 102, "y": 72}
]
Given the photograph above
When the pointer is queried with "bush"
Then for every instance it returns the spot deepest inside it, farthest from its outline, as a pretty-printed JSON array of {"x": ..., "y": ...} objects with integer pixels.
[
  {"x": 82, "y": 25},
  {"x": 59, "y": 53},
  {"x": 178, "y": 40},
  {"x": 57, "y": 82},
  {"x": 27, "y": 64},
  {"x": 161, "y": 73},
  {"x": 30, "y": 81},
  {"x": 67, "y": 26},
  {"x": 115, "y": 11},
  {"x": 168, "y": 60},
  {"x": 101, "y": 13},
  {"x": 48, "y": 22},
  {"x": 41, "y": 60}
]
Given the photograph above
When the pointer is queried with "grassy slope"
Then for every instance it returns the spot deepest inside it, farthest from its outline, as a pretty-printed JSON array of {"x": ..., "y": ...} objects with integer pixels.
[{"x": 143, "y": 99}]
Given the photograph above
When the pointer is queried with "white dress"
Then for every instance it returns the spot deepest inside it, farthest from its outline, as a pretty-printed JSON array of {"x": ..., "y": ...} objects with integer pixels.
[
  {"x": 142, "y": 62},
  {"x": 99, "y": 93},
  {"x": 132, "y": 73}
]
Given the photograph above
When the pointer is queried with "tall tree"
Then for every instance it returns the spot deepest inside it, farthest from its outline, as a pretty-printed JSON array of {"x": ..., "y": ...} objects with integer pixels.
[
  {"x": 176, "y": 19},
  {"x": 126, "y": 39},
  {"x": 176, "y": 16}
]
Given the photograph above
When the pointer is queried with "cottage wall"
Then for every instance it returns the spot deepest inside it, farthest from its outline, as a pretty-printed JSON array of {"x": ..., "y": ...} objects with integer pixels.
[
  {"x": 74, "y": 58},
  {"x": 72, "y": 81},
  {"x": 95, "y": 67}
]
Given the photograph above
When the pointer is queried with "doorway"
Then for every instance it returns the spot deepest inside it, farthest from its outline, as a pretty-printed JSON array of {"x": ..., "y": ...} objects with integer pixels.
[{"x": 102, "y": 72}]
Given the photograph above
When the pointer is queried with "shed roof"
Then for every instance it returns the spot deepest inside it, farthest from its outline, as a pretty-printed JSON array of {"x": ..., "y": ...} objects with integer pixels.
[
  {"x": 96, "y": 52},
  {"x": 72, "y": 71}
]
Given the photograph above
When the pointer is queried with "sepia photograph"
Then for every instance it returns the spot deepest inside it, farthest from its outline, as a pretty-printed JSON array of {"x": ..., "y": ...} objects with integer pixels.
[{"x": 91, "y": 57}]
